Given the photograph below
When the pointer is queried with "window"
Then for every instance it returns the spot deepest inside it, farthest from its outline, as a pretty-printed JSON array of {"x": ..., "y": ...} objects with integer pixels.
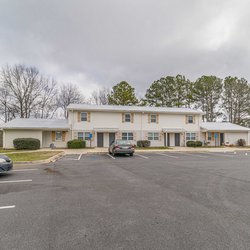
[
  {"x": 190, "y": 136},
  {"x": 190, "y": 119},
  {"x": 153, "y": 136},
  {"x": 153, "y": 118},
  {"x": 127, "y": 136},
  {"x": 209, "y": 136},
  {"x": 127, "y": 117},
  {"x": 58, "y": 135},
  {"x": 83, "y": 136},
  {"x": 84, "y": 117},
  {"x": 86, "y": 136}
]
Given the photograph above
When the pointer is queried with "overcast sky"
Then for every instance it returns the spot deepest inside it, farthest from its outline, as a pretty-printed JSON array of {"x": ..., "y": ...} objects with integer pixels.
[{"x": 98, "y": 43}]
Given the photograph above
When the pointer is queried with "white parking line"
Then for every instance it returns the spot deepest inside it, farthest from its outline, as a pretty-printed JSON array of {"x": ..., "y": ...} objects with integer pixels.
[
  {"x": 215, "y": 154},
  {"x": 189, "y": 154},
  {"x": 171, "y": 156},
  {"x": 142, "y": 156},
  {"x": 6, "y": 207},
  {"x": 15, "y": 181},
  {"x": 79, "y": 158},
  {"x": 21, "y": 170},
  {"x": 111, "y": 156}
]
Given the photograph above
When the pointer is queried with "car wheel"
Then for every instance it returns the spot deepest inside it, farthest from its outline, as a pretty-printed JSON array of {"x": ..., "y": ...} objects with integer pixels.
[
  {"x": 113, "y": 153},
  {"x": 131, "y": 154}
]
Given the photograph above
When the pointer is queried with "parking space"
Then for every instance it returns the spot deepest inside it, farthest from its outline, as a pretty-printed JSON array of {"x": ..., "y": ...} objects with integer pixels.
[{"x": 153, "y": 200}]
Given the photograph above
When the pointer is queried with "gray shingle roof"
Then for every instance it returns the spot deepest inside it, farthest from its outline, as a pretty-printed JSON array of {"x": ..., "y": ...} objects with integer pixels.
[
  {"x": 115, "y": 108},
  {"x": 31, "y": 123},
  {"x": 222, "y": 126}
]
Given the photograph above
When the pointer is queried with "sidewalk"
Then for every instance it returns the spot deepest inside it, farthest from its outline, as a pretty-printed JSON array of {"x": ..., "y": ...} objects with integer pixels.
[{"x": 172, "y": 149}]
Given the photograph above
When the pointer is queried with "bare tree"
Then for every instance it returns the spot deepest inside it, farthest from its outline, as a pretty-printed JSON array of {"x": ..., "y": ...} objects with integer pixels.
[
  {"x": 100, "y": 97},
  {"x": 47, "y": 104},
  {"x": 24, "y": 92},
  {"x": 69, "y": 93},
  {"x": 23, "y": 85}
]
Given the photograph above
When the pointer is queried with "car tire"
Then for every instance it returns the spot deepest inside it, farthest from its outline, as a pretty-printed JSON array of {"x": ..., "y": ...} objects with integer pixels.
[
  {"x": 131, "y": 154},
  {"x": 113, "y": 154}
]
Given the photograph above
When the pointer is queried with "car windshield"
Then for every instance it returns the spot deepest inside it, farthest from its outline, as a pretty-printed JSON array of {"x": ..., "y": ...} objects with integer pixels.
[{"x": 122, "y": 142}]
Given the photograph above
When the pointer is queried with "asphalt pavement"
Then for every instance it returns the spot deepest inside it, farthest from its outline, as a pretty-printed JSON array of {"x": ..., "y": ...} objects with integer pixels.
[{"x": 168, "y": 200}]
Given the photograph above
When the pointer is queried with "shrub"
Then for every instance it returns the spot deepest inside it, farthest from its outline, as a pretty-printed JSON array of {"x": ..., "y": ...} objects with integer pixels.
[
  {"x": 194, "y": 143},
  {"x": 198, "y": 143},
  {"x": 26, "y": 143},
  {"x": 76, "y": 144},
  {"x": 241, "y": 142},
  {"x": 143, "y": 143}
]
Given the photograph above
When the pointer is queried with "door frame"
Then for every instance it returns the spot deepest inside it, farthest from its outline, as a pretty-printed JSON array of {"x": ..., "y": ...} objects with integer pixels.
[
  {"x": 97, "y": 142},
  {"x": 109, "y": 137},
  {"x": 177, "y": 135}
]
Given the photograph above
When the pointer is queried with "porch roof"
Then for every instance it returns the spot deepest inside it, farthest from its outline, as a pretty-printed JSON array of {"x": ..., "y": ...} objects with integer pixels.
[
  {"x": 106, "y": 129},
  {"x": 37, "y": 124},
  {"x": 222, "y": 127},
  {"x": 173, "y": 130}
]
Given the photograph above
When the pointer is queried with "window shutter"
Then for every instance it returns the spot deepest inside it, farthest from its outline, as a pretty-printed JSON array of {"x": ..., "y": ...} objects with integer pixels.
[
  {"x": 88, "y": 116},
  {"x": 78, "y": 116},
  {"x": 53, "y": 135},
  {"x": 63, "y": 135},
  {"x": 123, "y": 117},
  {"x": 157, "y": 118},
  {"x": 186, "y": 119},
  {"x": 132, "y": 118},
  {"x": 149, "y": 118},
  {"x": 194, "y": 117}
]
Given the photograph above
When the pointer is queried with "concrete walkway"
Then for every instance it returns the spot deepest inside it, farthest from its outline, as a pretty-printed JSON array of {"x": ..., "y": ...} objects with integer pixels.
[
  {"x": 105, "y": 150},
  {"x": 173, "y": 149}
]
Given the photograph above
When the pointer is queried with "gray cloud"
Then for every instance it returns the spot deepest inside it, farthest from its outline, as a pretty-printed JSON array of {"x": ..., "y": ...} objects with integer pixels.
[{"x": 100, "y": 43}]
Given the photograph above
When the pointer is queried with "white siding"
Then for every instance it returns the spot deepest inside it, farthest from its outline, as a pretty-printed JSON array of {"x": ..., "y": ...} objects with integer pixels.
[
  {"x": 10, "y": 135},
  {"x": 47, "y": 140},
  {"x": 232, "y": 137}
]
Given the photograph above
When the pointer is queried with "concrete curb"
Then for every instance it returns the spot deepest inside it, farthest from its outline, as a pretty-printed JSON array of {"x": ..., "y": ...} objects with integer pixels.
[{"x": 51, "y": 159}]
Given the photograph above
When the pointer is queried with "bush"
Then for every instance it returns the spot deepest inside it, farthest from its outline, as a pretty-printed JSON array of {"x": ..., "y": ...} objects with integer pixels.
[
  {"x": 76, "y": 144},
  {"x": 241, "y": 142},
  {"x": 194, "y": 143},
  {"x": 143, "y": 143},
  {"x": 26, "y": 143}
]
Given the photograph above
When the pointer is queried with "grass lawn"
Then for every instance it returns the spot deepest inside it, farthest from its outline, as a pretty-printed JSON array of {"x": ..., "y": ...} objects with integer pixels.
[
  {"x": 7, "y": 150},
  {"x": 34, "y": 156}
]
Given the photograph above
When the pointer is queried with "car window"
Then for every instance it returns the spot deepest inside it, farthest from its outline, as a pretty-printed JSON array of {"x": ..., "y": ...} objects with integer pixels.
[{"x": 123, "y": 142}]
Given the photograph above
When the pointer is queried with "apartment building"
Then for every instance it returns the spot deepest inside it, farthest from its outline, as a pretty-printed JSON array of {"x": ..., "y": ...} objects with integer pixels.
[
  {"x": 100, "y": 125},
  {"x": 162, "y": 126}
]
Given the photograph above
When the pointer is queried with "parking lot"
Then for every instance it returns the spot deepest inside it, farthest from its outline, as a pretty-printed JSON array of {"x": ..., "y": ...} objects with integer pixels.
[{"x": 153, "y": 200}]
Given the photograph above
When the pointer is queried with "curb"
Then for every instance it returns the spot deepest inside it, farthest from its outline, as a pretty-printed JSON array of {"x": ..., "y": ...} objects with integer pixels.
[{"x": 51, "y": 159}]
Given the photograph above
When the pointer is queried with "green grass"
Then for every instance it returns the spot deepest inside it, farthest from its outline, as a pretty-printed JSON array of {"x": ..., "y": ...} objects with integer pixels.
[
  {"x": 34, "y": 156},
  {"x": 7, "y": 150}
]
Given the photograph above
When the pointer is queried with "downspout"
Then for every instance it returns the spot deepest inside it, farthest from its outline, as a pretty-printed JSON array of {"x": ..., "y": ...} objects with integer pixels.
[{"x": 141, "y": 126}]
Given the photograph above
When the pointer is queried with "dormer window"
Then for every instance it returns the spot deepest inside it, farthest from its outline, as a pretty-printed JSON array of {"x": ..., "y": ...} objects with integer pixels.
[
  {"x": 127, "y": 117},
  {"x": 153, "y": 118},
  {"x": 190, "y": 119},
  {"x": 84, "y": 116}
]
